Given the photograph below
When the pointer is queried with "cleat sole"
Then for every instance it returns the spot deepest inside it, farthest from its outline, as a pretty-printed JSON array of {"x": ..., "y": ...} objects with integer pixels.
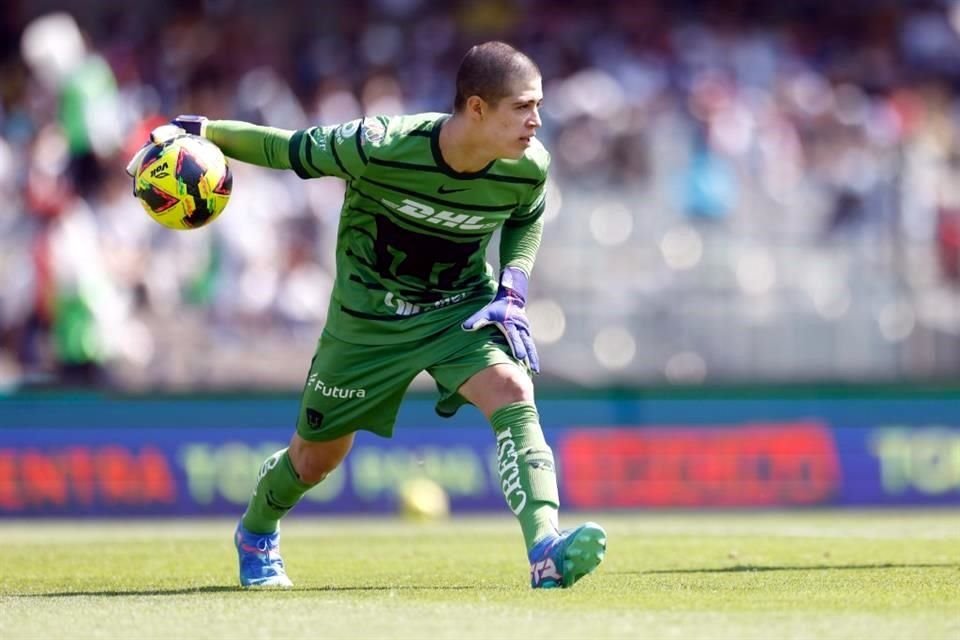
[
  {"x": 268, "y": 585},
  {"x": 584, "y": 553}
]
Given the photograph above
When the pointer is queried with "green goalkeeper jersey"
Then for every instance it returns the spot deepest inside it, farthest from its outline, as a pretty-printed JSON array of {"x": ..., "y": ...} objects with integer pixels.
[{"x": 413, "y": 233}]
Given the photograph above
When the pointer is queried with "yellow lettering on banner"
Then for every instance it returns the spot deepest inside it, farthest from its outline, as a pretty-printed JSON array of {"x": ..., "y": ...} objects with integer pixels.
[
  {"x": 892, "y": 447},
  {"x": 378, "y": 472},
  {"x": 237, "y": 465},
  {"x": 229, "y": 471},
  {"x": 925, "y": 460},
  {"x": 198, "y": 466},
  {"x": 935, "y": 459}
]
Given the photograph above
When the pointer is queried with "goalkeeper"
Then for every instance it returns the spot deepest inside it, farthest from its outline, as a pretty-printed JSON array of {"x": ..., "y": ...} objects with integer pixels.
[{"x": 413, "y": 292}]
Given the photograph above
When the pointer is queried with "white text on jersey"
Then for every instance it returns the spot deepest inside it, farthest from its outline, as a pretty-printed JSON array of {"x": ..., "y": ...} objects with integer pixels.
[{"x": 449, "y": 219}]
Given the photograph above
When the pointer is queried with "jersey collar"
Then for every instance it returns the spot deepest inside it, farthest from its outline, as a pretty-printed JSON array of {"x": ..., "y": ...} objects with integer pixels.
[{"x": 442, "y": 164}]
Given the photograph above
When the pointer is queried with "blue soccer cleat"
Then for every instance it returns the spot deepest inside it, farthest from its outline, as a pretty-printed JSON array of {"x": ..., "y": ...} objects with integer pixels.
[
  {"x": 260, "y": 561},
  {"x": 561, "y": 560}
]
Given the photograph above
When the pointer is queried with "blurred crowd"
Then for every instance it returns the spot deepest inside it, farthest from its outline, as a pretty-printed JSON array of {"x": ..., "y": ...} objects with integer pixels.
[{"x": 741, "y": 190}]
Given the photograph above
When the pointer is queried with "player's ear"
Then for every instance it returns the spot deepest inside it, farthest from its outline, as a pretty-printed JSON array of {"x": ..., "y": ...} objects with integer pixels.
[{"x": 476, "y": 107}]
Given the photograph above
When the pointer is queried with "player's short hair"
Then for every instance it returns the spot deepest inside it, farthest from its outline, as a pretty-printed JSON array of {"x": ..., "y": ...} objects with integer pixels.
[{"x": 489, "y": 70}]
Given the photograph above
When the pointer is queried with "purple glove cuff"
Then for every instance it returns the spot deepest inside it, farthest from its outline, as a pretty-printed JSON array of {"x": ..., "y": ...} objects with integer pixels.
[
  {"x": 190, "y": 123},
  {"x": 514, "y": 280}
]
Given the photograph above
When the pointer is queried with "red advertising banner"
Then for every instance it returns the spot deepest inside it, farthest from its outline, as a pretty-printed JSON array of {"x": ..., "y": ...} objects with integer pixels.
[
  {"x": 766, "y": 464},
  {"x": 80, "y": 475}
]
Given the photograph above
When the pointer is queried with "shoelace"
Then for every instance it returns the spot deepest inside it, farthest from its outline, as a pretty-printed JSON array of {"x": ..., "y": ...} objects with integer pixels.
[{"x": 264, "y": 548}]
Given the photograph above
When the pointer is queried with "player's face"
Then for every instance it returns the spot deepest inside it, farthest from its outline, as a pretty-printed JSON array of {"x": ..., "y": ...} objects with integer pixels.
[{"x": 514, "y": 121}]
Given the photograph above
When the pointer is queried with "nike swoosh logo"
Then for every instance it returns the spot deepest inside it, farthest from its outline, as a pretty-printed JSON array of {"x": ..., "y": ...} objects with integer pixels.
[{"x": 443, "y": 189}]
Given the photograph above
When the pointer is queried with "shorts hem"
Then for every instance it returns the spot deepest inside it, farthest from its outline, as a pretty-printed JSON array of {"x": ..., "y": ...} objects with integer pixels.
[{"x": 327, "y": 436}]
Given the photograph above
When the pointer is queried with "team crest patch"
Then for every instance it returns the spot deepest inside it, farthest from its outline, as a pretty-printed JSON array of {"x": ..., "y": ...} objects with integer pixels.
[
  {"x": 373, "y": 131},
  {"x": 314, "y": 418}
]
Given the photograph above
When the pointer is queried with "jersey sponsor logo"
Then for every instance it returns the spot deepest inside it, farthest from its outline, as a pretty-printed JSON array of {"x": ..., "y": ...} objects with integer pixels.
[
  {"x": 319, "y": 140},
  {"x": 448, "y": 219},
  {"x": 404, "y": 308},
  {"x": 443, "y": 189},
  {"x": 334, "y": 392},
  {"x": 346, "y": 130}
]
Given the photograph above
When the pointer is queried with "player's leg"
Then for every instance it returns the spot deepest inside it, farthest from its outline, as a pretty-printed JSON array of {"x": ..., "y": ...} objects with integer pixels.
[
  {"x": 283, "y": 479},
  {"x": 483, "y": 373},
  {"x": 288, "y": 474},
  {"x": 504, "y": 393},
  {"x": 349, "y": 387}
]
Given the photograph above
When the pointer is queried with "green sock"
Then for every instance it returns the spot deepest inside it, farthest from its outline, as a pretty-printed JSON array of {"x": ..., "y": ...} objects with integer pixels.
[
  {"x": 527, "y": 475},
  {"x": 278, "y": 490}
]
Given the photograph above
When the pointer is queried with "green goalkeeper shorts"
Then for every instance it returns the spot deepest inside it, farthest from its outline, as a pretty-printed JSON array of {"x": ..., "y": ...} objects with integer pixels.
[{"x": 354, "y": 387}]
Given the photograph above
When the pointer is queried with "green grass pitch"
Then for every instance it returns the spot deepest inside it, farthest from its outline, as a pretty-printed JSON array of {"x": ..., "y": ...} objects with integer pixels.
[{"x": 824, "y": 574}]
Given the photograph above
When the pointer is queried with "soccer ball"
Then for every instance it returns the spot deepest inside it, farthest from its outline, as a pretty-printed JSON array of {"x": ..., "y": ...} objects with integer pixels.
[
  {"x": 183, "y": 183},
  {"x": 423, "y": 499}
]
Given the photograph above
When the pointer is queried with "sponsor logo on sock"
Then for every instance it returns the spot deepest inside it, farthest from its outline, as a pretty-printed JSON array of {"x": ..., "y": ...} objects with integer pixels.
[
  {"x": 546, "y": 464},
  {"x": 509, "y": 471},
  {"x": 274, "y": 504},
  {"x": 269, "y": 464}
]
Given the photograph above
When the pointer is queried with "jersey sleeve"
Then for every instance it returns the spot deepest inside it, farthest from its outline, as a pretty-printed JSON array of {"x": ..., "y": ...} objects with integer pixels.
[
  {"x": 533, "y": 205},
  {"x": 341, "y": 150},
  {"x": 256, "y": 144},
  {"x": 531, "y": 210},
  {"x": 520, "y": 237}
]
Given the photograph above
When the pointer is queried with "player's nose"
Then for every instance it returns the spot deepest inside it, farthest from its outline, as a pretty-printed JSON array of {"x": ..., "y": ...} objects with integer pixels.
[{"x": 535, "y": 121}]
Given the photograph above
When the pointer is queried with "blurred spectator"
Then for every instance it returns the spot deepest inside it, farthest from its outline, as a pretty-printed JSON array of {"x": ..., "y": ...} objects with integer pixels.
[
  {"x": 85, "y": 91},
  {"x": 821, "y": 140}
]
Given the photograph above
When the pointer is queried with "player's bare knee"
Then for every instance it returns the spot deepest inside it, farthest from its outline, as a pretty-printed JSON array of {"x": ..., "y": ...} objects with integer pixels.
[
  {"x": 497, "y": 386},
  {"x": 314, "y": 461},
  {"x": 313, "y": 466},
  {"x": 313, "y": 476},
  {"x": 512, "y": 385}
]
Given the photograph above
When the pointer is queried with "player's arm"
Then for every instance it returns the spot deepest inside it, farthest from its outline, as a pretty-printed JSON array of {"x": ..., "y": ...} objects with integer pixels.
[
  {"x": 521, "y": 233},
  {"x": 339, "y": 150},
  {"x": 519, "y": 241},
  {"x": 263, "y": 146},
  {"x": 259, "y": 145}
]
